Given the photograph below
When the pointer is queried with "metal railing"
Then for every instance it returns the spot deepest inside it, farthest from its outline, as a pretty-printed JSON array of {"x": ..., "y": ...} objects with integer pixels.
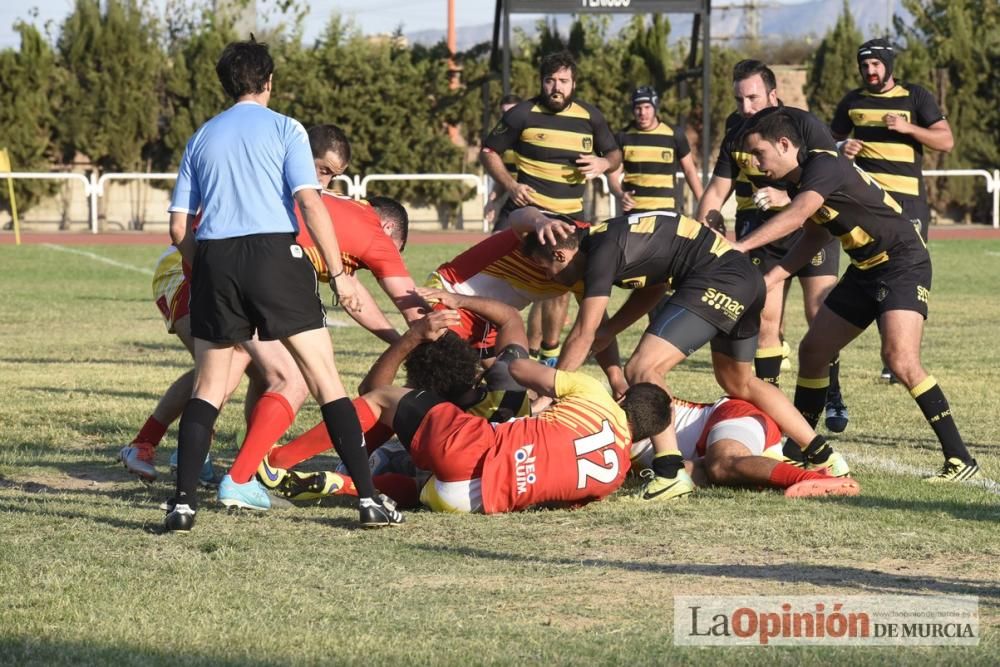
[{"x": 357, "y": 186}]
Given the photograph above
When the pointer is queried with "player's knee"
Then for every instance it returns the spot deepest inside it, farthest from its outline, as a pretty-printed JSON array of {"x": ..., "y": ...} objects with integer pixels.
[
  {"x": 641, "y": 370},
  {"x": 719, "y": 469},
  {"x": 906, "y": 367}
]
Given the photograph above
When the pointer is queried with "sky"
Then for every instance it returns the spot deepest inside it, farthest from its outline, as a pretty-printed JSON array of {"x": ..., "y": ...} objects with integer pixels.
[{"x": 372, "y": 16}]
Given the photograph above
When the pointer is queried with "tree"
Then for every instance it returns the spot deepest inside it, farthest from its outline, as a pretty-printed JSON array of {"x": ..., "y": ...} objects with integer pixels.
[
  {"x": 112, "y": 103},
  {"x": 960, "y": 40},
  {"x": 833, "y": 69},
  {"x": 191, "y": 92},
  {"x": 30, "y": 84}
]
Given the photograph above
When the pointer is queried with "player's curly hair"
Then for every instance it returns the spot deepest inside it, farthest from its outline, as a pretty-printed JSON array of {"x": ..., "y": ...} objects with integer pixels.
[
  {"x": 447, "y": 366},
  {"x": 647, "y": 408}
]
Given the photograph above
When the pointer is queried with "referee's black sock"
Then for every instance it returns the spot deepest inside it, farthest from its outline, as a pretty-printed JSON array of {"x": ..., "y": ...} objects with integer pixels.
[
  {"x": 194, "y": 437},
  {"x": 810, "y": 397},
  {"x": 345, "y": 432},
  {"x": 767, "y": 364},
  {"x": 937, "y": 412}
]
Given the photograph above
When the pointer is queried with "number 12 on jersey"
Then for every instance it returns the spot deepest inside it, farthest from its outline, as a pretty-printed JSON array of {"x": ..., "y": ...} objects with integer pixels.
[{"x": 603, "y": 439}]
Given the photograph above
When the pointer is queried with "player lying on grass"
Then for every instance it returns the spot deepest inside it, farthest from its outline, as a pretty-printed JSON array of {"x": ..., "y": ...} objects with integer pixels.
[
  {"x": 372, "y": 236},
  {"x": 435, "y": 359},
  {"x": 732, "y": 443},
  {"x": 575, "y": 452},
  {"x": 717, "y": 297},
  {"x": 888, "y": 282},
  {"x": 726, "y": 443}
]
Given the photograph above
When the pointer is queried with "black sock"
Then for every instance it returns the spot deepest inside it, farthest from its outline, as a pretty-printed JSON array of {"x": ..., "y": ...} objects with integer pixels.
[
  {"x": 934, "y": 405},
  {"x": 810, "y": 397},
  {"x": 345, "y": 432},
  {"x": 767, "y": 364},
  {"x": 194, "y": 437},
  {"x": 668, "y": 465},
  {"x": 834, "y": 390},
  {"x": 817, "y": 451}
]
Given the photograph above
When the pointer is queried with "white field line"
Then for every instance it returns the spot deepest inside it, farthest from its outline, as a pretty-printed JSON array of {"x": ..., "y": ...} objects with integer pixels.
[
  {"x": 991, "y": 253},
  {"x": 100, "y": 258},
  {"x": 896, "y": 468},
  {"x": 332, "y": 323}
]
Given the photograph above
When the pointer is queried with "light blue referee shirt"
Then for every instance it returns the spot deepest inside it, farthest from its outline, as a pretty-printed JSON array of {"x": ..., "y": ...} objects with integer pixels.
[{"x": 242, "y": 168}]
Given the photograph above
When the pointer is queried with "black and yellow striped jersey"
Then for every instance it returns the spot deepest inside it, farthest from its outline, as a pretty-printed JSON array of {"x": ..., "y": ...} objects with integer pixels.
[
  {"x": 894, "y": 160},
  {"x": 650, "y": 159},
  {"x": 658, "y": 247},
  {"x": 864, "y": 217},
  {"x": 509, "y": 158},
  {"x": 547, "y": 146},
  {"x": 736, "y": 164}
]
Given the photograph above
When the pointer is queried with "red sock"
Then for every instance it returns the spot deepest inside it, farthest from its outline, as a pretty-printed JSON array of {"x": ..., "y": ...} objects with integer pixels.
[
  {"x": 785, "y": 475},
  {"x": 376, "y": 433},
  {"x": 152, "y": 432},
  {"x": 270, "y": 418},
  {"x": 400, "y": 488},
  {"x": 314, "y": 441},
  {"x": 317, "y": 440}
]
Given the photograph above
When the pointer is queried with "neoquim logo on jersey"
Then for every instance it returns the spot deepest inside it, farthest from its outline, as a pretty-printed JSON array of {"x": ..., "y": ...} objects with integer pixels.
[{"x": 815, "y": 620}]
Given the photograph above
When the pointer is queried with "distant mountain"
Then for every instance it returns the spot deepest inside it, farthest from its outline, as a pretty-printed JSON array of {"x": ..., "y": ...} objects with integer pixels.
[{"x": 776, "y": 22}]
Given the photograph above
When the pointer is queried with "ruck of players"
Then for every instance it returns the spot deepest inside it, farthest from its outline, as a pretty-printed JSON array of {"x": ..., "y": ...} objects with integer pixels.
[{"x": 482, "y": 402}]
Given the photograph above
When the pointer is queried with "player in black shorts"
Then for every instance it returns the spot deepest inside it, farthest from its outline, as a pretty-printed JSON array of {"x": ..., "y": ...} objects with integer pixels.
[
  {"x": 717, "y": 298},
  {"x": 889, "y": 280},
  {"x": 245, "y": 170},
  {"x": 758, "y": 198}
]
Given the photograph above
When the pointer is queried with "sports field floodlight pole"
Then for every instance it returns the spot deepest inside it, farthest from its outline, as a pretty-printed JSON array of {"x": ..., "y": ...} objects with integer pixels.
[{"x": 701, "y": 9}]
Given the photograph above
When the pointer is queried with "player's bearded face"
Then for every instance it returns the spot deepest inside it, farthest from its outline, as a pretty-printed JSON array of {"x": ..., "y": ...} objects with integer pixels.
[
  {"x": 558, "y": 89},
  {"x": 873, "y": 74},
  {"x": 751, "y": 95}
]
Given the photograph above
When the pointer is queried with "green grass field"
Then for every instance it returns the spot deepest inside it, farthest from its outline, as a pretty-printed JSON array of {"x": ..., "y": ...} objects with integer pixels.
[{"x": 86, "y": 579}]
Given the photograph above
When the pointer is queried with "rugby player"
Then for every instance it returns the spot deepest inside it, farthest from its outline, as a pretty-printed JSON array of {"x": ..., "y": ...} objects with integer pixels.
[
  {"x": 889, "y": 280},
  {"x": 891, "y": 123},
  {"x": 245, "y": 169},
  {"x": 559, "y": 143},
  {"x": 651, "y": 153},
  {"x": 717, "y": 297},
  {"x": 757, "y": 199},
  {"x": 732, "y": 443},
  {"x": 574, "y": 453}
]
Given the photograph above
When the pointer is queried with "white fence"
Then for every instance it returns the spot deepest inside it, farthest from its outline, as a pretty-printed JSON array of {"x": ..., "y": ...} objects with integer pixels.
[{"x": 357, "y": 187}]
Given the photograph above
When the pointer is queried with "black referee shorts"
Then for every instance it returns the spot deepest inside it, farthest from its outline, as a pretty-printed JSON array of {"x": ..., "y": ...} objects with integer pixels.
[{"x": 262, "y": 283}]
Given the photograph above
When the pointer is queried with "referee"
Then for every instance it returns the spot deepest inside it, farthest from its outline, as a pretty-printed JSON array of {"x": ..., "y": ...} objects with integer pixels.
[{"x": 245, "y": 169}]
